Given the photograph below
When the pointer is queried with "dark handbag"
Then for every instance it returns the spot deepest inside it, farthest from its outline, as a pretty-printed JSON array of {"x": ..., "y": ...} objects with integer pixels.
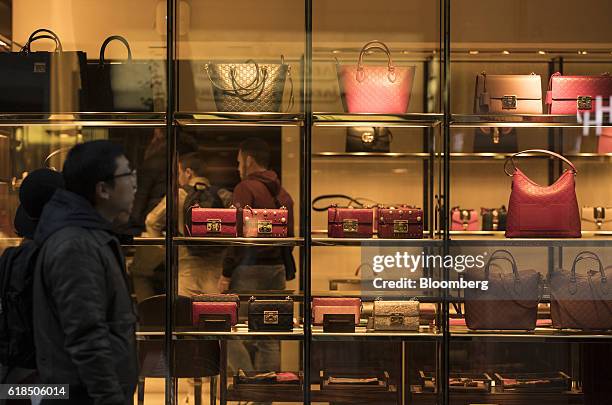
[
  {"x": 250, "y": 86},
  {"x": 582, "y": 301},
  {"x": 368, "y": 139},
  {"x": 270, "y": 315},
  {"x": 41, "y": 81},
  {"x": 542, "y": 211},
  {"x": 123, "y": 86},
  {"x": 495, "y": 140},
  {"x": 494, "y": 219},
  {"x": 511, "y": 300}
]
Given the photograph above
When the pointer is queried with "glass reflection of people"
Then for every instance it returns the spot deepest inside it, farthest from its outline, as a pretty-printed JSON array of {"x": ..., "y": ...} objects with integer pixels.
[{"x": 247, "y": 269}]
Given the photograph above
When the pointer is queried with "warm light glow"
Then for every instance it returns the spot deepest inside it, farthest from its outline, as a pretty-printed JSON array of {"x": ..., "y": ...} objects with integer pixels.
[
  {"x": 582, "y": 52},
  {"x": 4, "y": 44},
  {"x": 542, "y": 52},
  {"x": 474, "y": 52},
  {"x": 506, "y": 52}
]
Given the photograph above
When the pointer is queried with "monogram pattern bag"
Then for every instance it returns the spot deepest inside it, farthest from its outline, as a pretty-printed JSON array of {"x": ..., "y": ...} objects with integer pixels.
[
  {"x": 582, "y": 301},
  {"x": 249, "y": 86},
  {"x": 536, "y": 211},
  {"x": 375, "y": 89},
  {"x": 396, "y": 315}
]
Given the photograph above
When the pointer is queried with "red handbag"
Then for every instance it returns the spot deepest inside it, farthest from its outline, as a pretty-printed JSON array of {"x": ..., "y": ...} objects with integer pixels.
[
  {"x": 214, "y": 222},
  {"x": 570, "y": 94},
  {"x": 400, "y": 222},
  {"x": 350, "y": 222},
  {"x": 335, "y": 305},
  {"x": 464, "y": 219},
  {"x": 214, "y": 308},
  {"x": 536, "y": 211},
  {"x": 264, "y": 222}
]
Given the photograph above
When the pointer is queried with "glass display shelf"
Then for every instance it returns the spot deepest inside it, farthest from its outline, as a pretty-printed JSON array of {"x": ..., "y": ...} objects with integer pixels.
[
  {"x": 137, "y": 241},
  {"x": 496, "y": 238},
  {"x": 356, "y": 395},
  {"x": 323, "y": 240},
  {"x": 520, "y": 120},
  {"x": 539, "y": 334},
  {"x": 201, "y": 241},
  {"x": 93, "y": 119},
  {"x": 390, "y": 157},
  {"x": 262, "y": 392},
  {"x": 266, "y": 119},
  {"x": 415, "y": 120},
  {"x": 425, "y": 333},
  {"x": 464, "y": 156},
  {"x": 240, "y": 332},
  {"x": 500, "y": 397}
]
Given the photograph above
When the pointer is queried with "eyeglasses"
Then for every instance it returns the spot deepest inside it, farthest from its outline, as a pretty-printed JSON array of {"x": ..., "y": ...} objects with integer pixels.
[{"x": 132, "y": 174}]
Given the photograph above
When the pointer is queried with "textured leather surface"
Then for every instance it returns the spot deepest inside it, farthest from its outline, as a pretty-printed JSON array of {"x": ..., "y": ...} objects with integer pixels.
[
  {"x": 566, "y": 89},
  {"x": 387, "y": 216},
  {"x": 269, "y": 88},
  {"x": 376, "y": 93},
  {"x": 458, "y": 223},
  {"x": 214, "y": 308},
  {"x": 490, "y": 90},
  {"x": 257, "y": 312},
  {"x": 604, "y": 143},
  {"x": 335, "y": 305},
  {"x": 252, "y": 218},
  {"x": 227, "y": 216},
  {"x": 336, "y": 218},
  {"x": 543, "y": 211},
  {"x": 216, "y": 298},
  {"x": 384, "y": 311}
]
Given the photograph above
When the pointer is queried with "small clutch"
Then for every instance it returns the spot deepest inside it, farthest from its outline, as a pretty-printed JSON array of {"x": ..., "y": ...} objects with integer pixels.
[
  {"x": 493, "y": 219},
  {"x": 396, "y": 315},
  {"x": 464, "y": 219},
  {"x": 322, "y": 306},
  {"x": 350, "y": 222},
  {"x": 214, "y": 311},
  {"x": 270, "y": 315},
  {"x": 403, "y": 222},
  {"x": 264, "y": 222},
  {"x": 214, "y": 222}
]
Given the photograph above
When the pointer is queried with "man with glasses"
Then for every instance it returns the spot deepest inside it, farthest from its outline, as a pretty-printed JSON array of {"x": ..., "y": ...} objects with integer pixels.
[{"x": 84, "y": 320}]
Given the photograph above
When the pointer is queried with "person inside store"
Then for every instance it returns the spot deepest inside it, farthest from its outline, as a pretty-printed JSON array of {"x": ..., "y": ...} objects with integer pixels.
[
  {"x": 199, "y": 267},
  {"x": 84, "y": 320},
  {"x": 34, "y": 193},
  {"x": 249, "y": 269}
]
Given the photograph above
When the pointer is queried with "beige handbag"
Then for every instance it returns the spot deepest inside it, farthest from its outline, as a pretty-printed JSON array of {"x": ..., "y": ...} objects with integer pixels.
[
  {"x": 396, "y": 315},
  {"x": 598, "y": 218},
  {"x": 508, "y": 94}
]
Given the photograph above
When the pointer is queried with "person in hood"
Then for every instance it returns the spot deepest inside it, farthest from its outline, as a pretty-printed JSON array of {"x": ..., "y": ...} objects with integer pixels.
[
  {"x": 84, "y": 319},
  {"x": 247, "y": 269}
]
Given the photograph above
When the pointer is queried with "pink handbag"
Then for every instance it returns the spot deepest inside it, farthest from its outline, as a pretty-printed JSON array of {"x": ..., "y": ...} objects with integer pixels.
[
  {"x": 333, "y": 305},
  {"x": 375, "y": 89},
  {"x": 264, "y": 222},
  {"x": 570, "y": 94},
  {"x": 464, "y": 220},
  {"x": 536, "y": 211},
  {"x": 604, "y": 144},
  {"x": 214, "y": 222},
  {"x": 508, "y": 94},
  {"x": 214, "y": 308}
]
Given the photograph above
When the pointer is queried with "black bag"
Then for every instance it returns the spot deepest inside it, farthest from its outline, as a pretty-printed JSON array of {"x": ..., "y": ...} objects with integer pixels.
[
  {"x": 495, "y": 140},
  {"x": 16, "y": 323},
  {"x": 119, "y": 86},
  {"x": 41, "y": 82},
  {"x": 494, "y": 219},
  {"x": 271, "y": 315},
  {"x": 368, "y": 139}
]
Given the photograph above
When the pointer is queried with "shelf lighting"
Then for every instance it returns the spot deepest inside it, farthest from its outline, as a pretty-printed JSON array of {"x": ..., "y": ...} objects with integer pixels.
[
  {"x": 542, "y": 52},
  {"x": 4, "y": 44},
  {"x": 336, "y": 51},
  {"x": 474, "y": 52},
  {"x": 582, "y": 52},
  {"x": 506, "y": 52}
]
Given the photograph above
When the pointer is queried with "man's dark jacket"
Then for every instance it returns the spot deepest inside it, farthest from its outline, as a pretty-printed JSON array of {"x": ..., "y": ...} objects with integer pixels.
[{"x": 84, "y": 320}]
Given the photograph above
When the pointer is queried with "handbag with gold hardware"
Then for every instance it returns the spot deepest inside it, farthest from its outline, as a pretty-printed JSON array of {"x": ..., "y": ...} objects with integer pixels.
[
  {"x": 270, "y": 315},
  {"x": 570, "y": 94},
  {"x": 396, "y": 315},
  {"x": 464, "y": 219},
  {"x": 350, "y": 222},
  {"x": 402, "y": 222},
  {"x": 264, "y": 222},
  {"x": 493, "y": 219},
  {"x": 601, "y": 217},
  {"x": 368, "y": 139},
  {"x": 214, "y": 222},
  {"x": 508, "y": 94}
]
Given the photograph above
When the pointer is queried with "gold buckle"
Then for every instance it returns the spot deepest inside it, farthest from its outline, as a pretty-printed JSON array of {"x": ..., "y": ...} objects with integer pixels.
[
  {"x": 264, "y": 227},
  {"x": 350, "y": 225},
  {"x": 213, "y": 225},
  {"x": 367, "y": 137},
  {"x": 400, "y": 226},
  {"x": 270, "y": 317},
  {"x": 397, "y": 319},
  {"x": 508, "y": 102},
  {"x": 584, "y": 102}
]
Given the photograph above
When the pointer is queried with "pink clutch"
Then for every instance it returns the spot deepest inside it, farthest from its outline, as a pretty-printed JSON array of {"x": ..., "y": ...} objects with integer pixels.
[
  {"x": 214, "y": 222},
  {"x": 214, "y": 308},
  {"x": 604, "y": 144},
  {"x": 464, "y": 220},
  {"x": 264, "y": 222},
  {"x": 508, "y": 94},
  {"x": 350, "y": 222},
  {"x": 330, "y": 305},
  {"x": 375, "y": 89},
  {"x": 570, "y": 94}
]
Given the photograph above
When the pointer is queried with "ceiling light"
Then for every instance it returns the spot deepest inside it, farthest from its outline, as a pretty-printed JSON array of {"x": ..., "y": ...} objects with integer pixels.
[
  {"x": 506, "y": 52},
  {"x": 336, "y": 51},
  {"x": 582, "y": 52},
  {"x": 542, "y": 52}
]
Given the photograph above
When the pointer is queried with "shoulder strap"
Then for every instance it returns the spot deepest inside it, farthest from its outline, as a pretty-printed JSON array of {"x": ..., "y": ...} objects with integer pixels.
[{"x": 274, "y": 195}]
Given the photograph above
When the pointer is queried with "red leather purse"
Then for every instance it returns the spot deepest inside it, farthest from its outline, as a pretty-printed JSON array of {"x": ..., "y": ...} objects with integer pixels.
[
  {"x": 464, "y": 220},
  {"x": 335, "y": 305},
  {"x": 570, "y": 94},
  {"x": 350, "y": 222},
  {"x": 214, "y": 308},
  {"x": 214, "y": 222},
  {"x": 400, "y": 222},
  {"x": 536, "y": 211},
  {"x": 264, "y": 222}
]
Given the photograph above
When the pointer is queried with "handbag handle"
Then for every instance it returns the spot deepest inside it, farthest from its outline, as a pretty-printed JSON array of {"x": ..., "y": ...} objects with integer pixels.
[
  {"x": 109, "y": 40},
  {"x": 558, "y": 156},
  {"x": 584, "y": 255},
  {"x": 248, "y": 89},
  {"x": 502, "y": 254},
  {"x": 47, "y": 34},
  {"x": 381, "y": 46},
  {"x": 356, "y": 201}
]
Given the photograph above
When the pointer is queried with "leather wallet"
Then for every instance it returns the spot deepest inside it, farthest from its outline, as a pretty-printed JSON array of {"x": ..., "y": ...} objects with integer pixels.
[
  {"x": 270, "y": 315},
  {"x": 508, "y": 94},
  {"x": 264, "y": 222},
  {"x": 214, "y": 222},
  {"x": 403, "y": 222},
  {"x": 570, "y": 94},
  {"x": 396, "y": 315},
  {"x": 350, "y": 222},
  {"x": 335, "y": 305}
]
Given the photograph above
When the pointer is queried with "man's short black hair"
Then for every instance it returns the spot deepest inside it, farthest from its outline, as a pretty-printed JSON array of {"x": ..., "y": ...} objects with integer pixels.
[
  {"x": 89, "y": 163},
  {"x": 257, "y": 149},
  {"x": 194, "y": 161}
]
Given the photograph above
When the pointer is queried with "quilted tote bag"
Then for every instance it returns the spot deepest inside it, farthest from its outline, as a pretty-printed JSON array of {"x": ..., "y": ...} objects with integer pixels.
[
  {"x": 249, "y": 86},
  {"x": 582, "y": 301},
  {"x": 511, "y": 300},
  {"x": 375, "y": 89},
  {"x": 570, "y": 94},
  {"x": 536, "y": 211}
]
